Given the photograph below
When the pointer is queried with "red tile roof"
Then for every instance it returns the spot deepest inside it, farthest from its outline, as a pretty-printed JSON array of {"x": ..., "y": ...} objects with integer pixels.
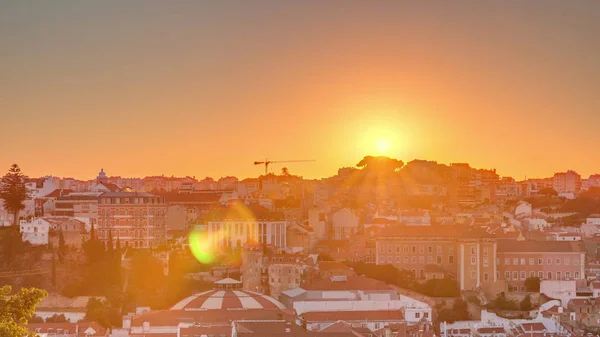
[
  {"x": 491, "y": 330},
  {"x": 535, "y": 327},
  {"x": 351, "y": 283},
  {"x": 372, "y": 315},
  {"x": 539, "y": 247},
  {"x": 58, "y": 193},
  {"x": 172, "y": 317},
  {"x": 72, "y": 327}
]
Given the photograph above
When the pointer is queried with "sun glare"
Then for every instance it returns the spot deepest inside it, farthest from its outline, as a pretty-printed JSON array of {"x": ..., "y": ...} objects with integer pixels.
[{"x": 383, "y": 145}]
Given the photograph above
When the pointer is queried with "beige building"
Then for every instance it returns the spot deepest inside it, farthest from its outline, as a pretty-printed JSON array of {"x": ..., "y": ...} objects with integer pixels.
[
  {"x": 137, "y": 219},
  {"x": 344, "y": 223},
  {"x": 467, "y": 255}
]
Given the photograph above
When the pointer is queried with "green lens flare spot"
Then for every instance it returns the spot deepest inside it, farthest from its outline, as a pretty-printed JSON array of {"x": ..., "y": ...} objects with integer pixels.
[{"x": 200, "y": 247}]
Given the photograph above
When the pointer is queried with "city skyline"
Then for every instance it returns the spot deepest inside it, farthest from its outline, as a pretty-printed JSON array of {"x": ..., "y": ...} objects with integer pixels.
[{"x": 193, "y": 88}]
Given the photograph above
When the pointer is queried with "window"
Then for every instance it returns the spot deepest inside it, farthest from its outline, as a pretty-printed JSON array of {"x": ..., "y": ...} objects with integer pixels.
[
  {"x": 398, "y": 259},
  {"x": 389, "y": 259},
  {"x": 439, "y": 249},
  {"x": 426, "y": 315},
  {"x": 567, "y": 261},
  {"x": 473, "y": 260},
  {"x": 486, "y": 277},
  {"x": 473, "y": 251},
  {"x": 567, "y": 275},
  {"x": 389, "y": 248},
  {"x": 405, "y": 248},
  {"x": 438, "y": 260},
  {"x": 522, "y": 261},
  {"x": 531, "y": 274},
  {"x": 558, "y": 275},
  {"x": 450, "y": 259},
  {"x": 473, "y": 275},
  {"x": 507, "y": 261},
  {"x": 515, "y": 275},
  {"x": 541, "y": 275},
  {"x": 382, "y": 260},
  {"x": 575, "y": 261},
  {"x": 397, "y": 249},
  {"x": 485, "y": 261},
  {"x": 406, "y": 259},
  {"x": 413, "y": 259},
  {"x": 421, "y": 249},
  {"x": 540, "y": 261},
  {"x": 430, "y": 249},
  {"x": 414, "y": 249},
  {"x": 430, "y": 259},
  {"x": 549, "y": 261},
  {"x": 531, "y": 261},
  {"x": 485, "y": 251},
  {"x": 523, "y": 276},
  {"x": 557, "y": 261},
  {"x": 577, "y": 275},
  {"x": 421, "y": 259},
  {"x": 417, "y": 315},
  {"x": 549, "y": 275},
  {"x": 507, "y": 275},
  {"x": 515, "y": 261}
]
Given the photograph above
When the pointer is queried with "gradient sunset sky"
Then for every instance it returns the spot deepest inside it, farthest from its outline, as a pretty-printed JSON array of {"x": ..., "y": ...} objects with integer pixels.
[{"x": 205, "y": 88}]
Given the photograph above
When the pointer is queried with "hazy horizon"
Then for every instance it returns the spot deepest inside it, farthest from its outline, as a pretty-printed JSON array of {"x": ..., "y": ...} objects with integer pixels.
[{"x": 206, "y": 88}]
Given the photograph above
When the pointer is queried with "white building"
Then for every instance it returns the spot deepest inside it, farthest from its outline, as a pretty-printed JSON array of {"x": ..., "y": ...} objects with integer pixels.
[
  {"x": 341, "y": 296},
  {"x": 228, "y": 226},
  {"x": 523, "y": 209},
  {"x": 344, "y": 222},
  {"x": 415, "y": 218},
  {"x": 35, "y": 231}
]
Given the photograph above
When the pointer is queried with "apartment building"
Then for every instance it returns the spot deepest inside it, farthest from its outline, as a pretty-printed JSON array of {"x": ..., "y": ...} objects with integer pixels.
[
  {"x": 78, "y": 205},
  {"x": 137, "y": 219},
  {"x": 273, "y": 272},
  {"x": 567, "y": 182},
  {"x": 239, "y": 224},
  {"x": 547, "y": 260},
  {"x": 465, "y": 254}
]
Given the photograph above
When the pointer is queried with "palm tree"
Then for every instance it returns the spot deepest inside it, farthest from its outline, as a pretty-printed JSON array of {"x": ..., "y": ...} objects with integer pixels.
[{"x": 13, "y": 192}]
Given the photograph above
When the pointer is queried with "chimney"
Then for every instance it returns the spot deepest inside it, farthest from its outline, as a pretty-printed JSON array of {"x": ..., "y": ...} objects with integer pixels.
[
  {"x": 146, "y": 327},
  {"x": 288, "y": 326},
  {"x": 127, "y": 322}
]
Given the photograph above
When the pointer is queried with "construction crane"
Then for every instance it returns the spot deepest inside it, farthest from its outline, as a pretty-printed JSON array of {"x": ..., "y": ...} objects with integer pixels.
[{"x": 267, "y": 162}]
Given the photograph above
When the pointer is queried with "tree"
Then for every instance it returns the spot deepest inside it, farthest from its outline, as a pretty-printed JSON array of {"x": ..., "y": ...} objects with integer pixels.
[
  {"x": 56, "y": 318},
  {"x": 53, "y": 271},
  {"x": 16, "y": 310},
  {"x": 324, "y": 257},
  {"x": 382, "y": 164},
  {"x": 548, "y": 191},
  {"x": 93, "y": 248},
  {"x": 285, "y": 172},
  {"x": 13, "y": 192},
  {"x": 532, "y": 284},
  {"x": 459, "y": 312},
  {"x": 62, "y": 248},
  {"x": 525, "y": 304},
  {"x": 102, "y": 313}
]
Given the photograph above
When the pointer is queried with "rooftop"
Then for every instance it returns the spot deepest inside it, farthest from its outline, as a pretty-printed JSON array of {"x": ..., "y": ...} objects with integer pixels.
[
  {"x": 506, "y": 246},
  {"x": 347, "y": 283}
]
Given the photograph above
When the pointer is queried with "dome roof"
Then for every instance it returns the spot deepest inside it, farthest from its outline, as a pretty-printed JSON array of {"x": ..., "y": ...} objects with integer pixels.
[{"x": 228, "y": 299}]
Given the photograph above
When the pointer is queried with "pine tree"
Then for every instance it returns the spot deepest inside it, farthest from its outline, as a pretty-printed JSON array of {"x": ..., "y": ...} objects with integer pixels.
[
  {"x": 93, "y": 248},
  {"x": 110, "y": 243},
  {"x": 54, "y": 271},
  {"x": 13, "y": 192},
  {"x": 62, "y": 249}
]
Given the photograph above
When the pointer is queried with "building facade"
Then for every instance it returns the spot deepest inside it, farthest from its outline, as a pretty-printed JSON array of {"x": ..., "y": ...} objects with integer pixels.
[
  {"x": 546, "y": 260},
  {"x": 461, "y": 253},
  {"x": 239, "y": 224},
  {"x": 138, "y": 220}
]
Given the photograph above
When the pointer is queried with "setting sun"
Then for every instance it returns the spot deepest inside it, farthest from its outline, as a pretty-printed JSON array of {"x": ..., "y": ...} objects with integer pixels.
[{"x": 383, "y": 145}]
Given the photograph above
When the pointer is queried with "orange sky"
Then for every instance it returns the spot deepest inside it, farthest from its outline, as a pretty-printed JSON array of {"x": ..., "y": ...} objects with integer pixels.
[{"x": 204, "y": 89}]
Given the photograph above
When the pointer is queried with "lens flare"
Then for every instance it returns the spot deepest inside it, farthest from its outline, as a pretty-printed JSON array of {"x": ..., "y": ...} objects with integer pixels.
[{"x": 201, "y": 247}]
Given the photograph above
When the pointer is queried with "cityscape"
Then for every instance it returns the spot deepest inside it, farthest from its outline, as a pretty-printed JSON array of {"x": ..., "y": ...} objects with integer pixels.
[{"x": 299, "y": 169}]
